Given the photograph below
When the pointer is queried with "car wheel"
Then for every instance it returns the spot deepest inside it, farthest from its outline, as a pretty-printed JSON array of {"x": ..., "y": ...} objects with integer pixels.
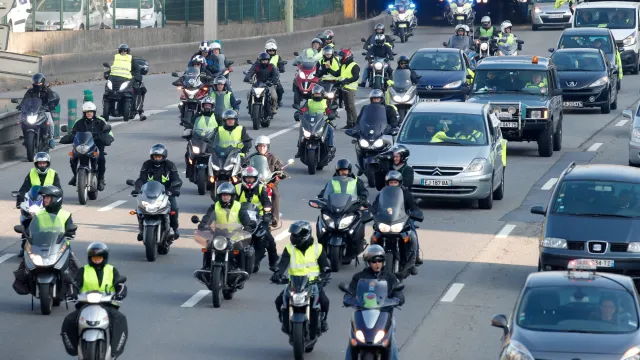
[
  {"x": 487, "y": 203},
  {"x": 632, "y": 164},
  {"x": 557, "y": 137},
  {"x": 635, "y": 70},
  {"x": 545, "y": 142},
  {"x": 539, "y": 265},
  {"x": 606, "y": 108},
  {"x": 498, "y": 194}
]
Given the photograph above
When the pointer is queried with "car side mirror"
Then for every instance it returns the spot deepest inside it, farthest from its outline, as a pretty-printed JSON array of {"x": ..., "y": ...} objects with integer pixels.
[
  {"x": 615, "y": 72},
  {"x": 398, "y": 287},
  {"x": 64, "y": 128},
  {"x": 15, "y": 101},
  {"x": 130, "y": 182},
  {"x": 106, "y": 65},
  {"x": 538, "y": 210},
  {"x": 19, "y": 229},
  {"x": 620, "y": 49},
  {"x": 367, "y": 217},
  {"x": 363, "y": 39},
  {"x": 175, "y": 74},
  {"x": 195, "y": 219},
  {"x": 627, "y": 114},
  {"x": 500, "y": 321}
]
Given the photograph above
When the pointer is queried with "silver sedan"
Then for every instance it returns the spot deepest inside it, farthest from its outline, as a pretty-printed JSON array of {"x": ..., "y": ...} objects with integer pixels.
[{"x": 634, "y": 135}]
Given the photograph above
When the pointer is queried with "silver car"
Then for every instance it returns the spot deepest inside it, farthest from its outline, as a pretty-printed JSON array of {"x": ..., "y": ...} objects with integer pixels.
[
  {"x": 456, "y": 152},
  {"x": 634, "y": 135},
  {"x": 545, "y": 14}
]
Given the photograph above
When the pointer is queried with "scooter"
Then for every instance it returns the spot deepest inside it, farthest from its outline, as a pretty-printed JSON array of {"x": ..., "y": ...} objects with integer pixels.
[
  {"x": 35, "y": 129},
  {"x": 316, "y": 154},
  {"x": 117, "y": 100},
  {"x": 402, "y": 94},
  {"x": 258, "y": 105},
  {"x": 305, "y": 78}
]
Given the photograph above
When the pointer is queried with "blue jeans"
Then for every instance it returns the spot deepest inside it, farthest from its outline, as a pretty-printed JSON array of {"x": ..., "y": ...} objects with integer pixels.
[{"x": 365, "y": 74}]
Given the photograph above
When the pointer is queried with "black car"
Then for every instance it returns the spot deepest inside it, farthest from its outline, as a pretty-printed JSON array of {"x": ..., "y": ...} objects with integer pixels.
[
  {"x": 443, "y": 74},
  {"x": 578, "y": 314},
  {"x": 588, "y": 79},
  {"x": 594, "y": 213}
]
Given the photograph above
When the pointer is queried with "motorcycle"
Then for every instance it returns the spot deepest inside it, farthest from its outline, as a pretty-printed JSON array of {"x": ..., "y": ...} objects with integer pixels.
[
  {"x": 225, "y": 165},
  {"x": 232, "y": 253},
  {"x": 332, "y": 93},
  {"x": 198, "y": 156},
  {"x": 305, "y": 77},
  {"x": 266, "y": 177},
  {"x": 507, "y": 49},
  {"x": 339, "y": 225},
  {"x": 378, "y": 74},
  {"x": 461, "y": 15},
  {"x": 117, "y": 100},
  {"x": 153, "y": 212},
  {"x": 316, "y": 153},
  {"x": 372, "y": 137},
  {"x": 35, "y": 129},
  {"x": 403, "y": 94},
  {"x": 301, "y": 305},
  {"x": 192, "y": 93},
  {"x": 372, "y": 328},
  {"x": 94, "y": 325},
  {"x": 392, "y": 225},
  {"x": 402, "y": 20},
  {"x": 258, "y": 104},
  {"x": 484, "y": 49},
  {"x": 47, "y": 255},
  {"x": 31, "y": 205}
]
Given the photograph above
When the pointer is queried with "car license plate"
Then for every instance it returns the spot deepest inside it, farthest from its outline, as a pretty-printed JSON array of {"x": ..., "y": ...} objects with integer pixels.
[
  {"x": 604, "y": 263},
  {"x": 572, "y": 104},
  {"x": 429, "y": 100},
  {"x": 126, "y": 26},
  {"x": 49, "y": 28},
  {"x": 402, "y": 25},
  {"x": 556, "y": 16},
  {"x": 509, "y": 124},
  {"x": 436, "y": 182}
]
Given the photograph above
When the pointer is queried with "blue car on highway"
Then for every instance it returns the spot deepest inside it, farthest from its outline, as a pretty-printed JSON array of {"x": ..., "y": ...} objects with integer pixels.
[{"x": 443, "y": 74}]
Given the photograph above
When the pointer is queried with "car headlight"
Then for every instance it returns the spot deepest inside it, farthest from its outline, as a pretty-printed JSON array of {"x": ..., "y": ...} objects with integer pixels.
[
  {"x": 191, "y": 93},
  {"x": 306, "y": 133},
  {"x": 330, "y": 95},
  {"x": 516, "y": 351},
  {"x": 83, "y": 149},
  {"x": 31, "y": 119},
  {"x": 258, "y": 91},
  {"x": 109, "y": 84},
  {"x": 299, "y": 299},
  {"x": 635, "y": 134},
  {"x": 554, "y": 243},
  {"x": 364, "y": 143},
  {"x": 328, "y": 220},
  {"x": 378, "y": 143},
  {"x": 512, "y": 110},
  {"x": 600, "y": 82},
  {"x": 634, "y": 247},
  {"x": 360, "y": 336},
  {"x": 220, "y": 243},
  {"x": 146, "y": 17},
  {"x": 377, "y": 66},
  {"x": 301, "y": 75},
  {"x": 453, "y": 85},
  {"x": 539, "y": 114},
  {"x": 496, "y": 109},
  {"x": 124, "y": 85},
  {"x": 537, "y": 10},
  {"x": 476, "y": 165},
  {"x": 629, "y": 40},
  {"x": 379, "y": 336},
  {"x": 346, "y": 221},
  {"x": 195, "y": 149}
]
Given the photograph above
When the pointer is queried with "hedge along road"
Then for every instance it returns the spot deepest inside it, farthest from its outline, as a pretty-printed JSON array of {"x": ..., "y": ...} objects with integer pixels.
[{"x": 475, "y": 260}]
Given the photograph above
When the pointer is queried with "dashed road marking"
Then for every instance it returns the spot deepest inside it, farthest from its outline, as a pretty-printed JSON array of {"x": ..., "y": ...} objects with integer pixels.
[
  {"x": 196, "y": 298},
  {"x": 6, "y": 257},
  {"x": 622, "y": 122},
  {"x": 172, "y": 106},
  {"x": 505, "y": 231},
  {"x": 453, "y": 291},
  {"x": 595, "y": 147},
  {"x": 113, "y": 206},
  {"x": 549, "y": 184},
  {"x": 154, "y": 112}
]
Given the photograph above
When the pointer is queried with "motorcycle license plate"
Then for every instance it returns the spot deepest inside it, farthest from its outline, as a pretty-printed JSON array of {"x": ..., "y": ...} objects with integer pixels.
[
  {"x": 429, "y": 100},
  {"x": 459, "y": 17},
  {"x": 436, "y": 182},
  {"x": 572, "y": 104},
  {"x": 402, "y": 25},
  {"x": 509, "y": 125}
]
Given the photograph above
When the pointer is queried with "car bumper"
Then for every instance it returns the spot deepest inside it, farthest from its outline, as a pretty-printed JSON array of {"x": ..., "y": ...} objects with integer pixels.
[
  {"x": 589, "y": 97},
  {"x": 543, "y": 19},
  {"x": 625, "y": 263},
  {"x": 463, "y": 187},
  {"x": 634, "y": 152},
  {"x": 629, "y": 59},
  {"x": 459, "y": 94}
]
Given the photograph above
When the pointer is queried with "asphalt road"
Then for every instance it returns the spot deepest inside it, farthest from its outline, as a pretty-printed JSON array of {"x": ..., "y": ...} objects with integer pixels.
[{"x": 475, "y": 260}]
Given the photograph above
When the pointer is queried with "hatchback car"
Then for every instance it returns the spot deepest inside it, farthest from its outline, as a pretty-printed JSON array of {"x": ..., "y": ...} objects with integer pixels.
[
  {"x": 545, "y": 14},
  {"x": 443, "y": 74},
  {"x": 588, "y": 79},
  {"x": 634, "y": 135},
  {"x": 593, "y": 213},
  {"x": 578, "y": 314},
  {"x": 457, "y": 152}
]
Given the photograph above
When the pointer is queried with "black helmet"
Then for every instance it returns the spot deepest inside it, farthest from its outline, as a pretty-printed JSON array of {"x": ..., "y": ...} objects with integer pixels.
[
  {"x": 98, "y": 249},
  {"x": 376, "y": 93},
  {"x": 226, "y": 188},
  {"x": 56, "y": 197},
  {"x": 328, "y": 50},
  {"x": 402, "y": 151},
  {"x": 317, "y": 90},
  {"x": 38, "y": 79},
  {"x": 379, "y": 28},
  {"x": 124, "y": 47},
  {"x": 229, "y": 114},
  {"x": 301, "y": 234},
  {"x": 159, "y": 149},
  {"x": 403, "y": 58},
  {"x": 264, "y": 56},
  {"x": 374, "y": 252},
  {"x": 42, "y": 157},
  {"x": 393, "y": 175},
  {"x": 343, "y": 164}
]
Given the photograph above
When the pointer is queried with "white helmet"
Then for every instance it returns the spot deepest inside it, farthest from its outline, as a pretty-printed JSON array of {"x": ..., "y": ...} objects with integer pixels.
[
  {"x": 89, "y": 106},
  {"x": 459, "y": 27},
  {"x": 270, "y": 46},
  {"x": 505, "y": 24},
  {"x": 263, "y": 139},
  {"x": 466, "y": 28},
  {"x": 215, "y": 45},
  {"x": 204, "y": 46},
  {"x": 485, "y": 19}
]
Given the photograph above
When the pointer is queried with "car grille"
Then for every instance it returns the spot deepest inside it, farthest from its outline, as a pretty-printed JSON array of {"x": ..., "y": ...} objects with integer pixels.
[
  {"x": 438, "y": 170},
  {"x": 504, "y": 107},
  {"x": 440, "y": 190},
  {"x": 548, "y": 20},
  {"x": 127, "y": 22},
  {"x": 613, "y": 247}
]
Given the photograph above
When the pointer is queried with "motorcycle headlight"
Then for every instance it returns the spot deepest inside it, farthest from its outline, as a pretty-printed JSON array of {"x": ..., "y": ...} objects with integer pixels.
[
  {"x": 124, "y": 85},
  {"x": 396, "y": 228},
  {"x": 301, "y": 75},
  {"x": 330, "y": 95},
  {"x": 34, "y": 209},
  {"x": 31, "y": 119},
  {"x": 94, "y": 298},
  {"x": 484, "y": 47},
  {"x": 453, "y": 85},
  {"x": 220, "y": 243},
  {"x": 377, "y": 66},
  {"x": 109, "y": 84},
  {"x": 154, "y": 205},
  {"x": 378, "y": 143},
  {"x": 191, "y": 93},
  {"x": 602, "y": 81},
  {"x": 363, "y": 143},
  {"x": 306, "y": 133},
  {"x": 328, "y": 220},
  {"x": 360, "y": 336},
  {"x": 476, "y": 165},
  {"x": 379, "y": 336},
  {"x": 195, "y": 149},
  {"x": 258, "y": 91},
  {"x": 346, "y": 221},
  {"x": 82, "y": 149},
  {"x": 516, "y": 350},
  {"x": 299, "y": 299},
  {"x": 402, "y": 17},
  {"x": 36, "y": 259}
]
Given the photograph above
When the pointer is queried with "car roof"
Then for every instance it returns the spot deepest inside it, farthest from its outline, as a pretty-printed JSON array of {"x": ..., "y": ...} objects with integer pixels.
[
  {"x": 519, "y": 62},
  {"x": 438, "y": 50},
  {"x": 450, "y": 107},
  {"x": 586, "y": 31},
  {"x": 608, "y": 4},
  {"x": 562, "y": 278},
  {"x": 603, "y": 172}
]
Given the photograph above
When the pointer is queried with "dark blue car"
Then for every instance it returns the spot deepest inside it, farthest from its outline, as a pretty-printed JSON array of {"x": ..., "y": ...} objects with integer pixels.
[{"x": 443, "y": 74}]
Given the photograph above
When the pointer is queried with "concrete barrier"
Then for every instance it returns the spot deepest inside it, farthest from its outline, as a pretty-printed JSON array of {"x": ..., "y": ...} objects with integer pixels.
[{"x": 10, "y": 132}]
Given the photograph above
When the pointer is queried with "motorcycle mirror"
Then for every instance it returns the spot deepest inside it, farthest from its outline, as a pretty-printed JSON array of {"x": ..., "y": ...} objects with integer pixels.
[
  {"x": 15, "y": 193},
  {"x": 494, "y": 41},
  {"x": 398, "y": 287},
  {"x": 367, "y": 217},
  {"x": 520, "y": 42},
  {"x": 106, "y": 65},
  {"x": 73, "y": 228},
  {"x": 354, "y": 141},
  {"x": 187, "y": 133},
  {"x": 444, "y": 43},
  {"x": 363, "y": 39},
  {"x": 334, "y": 107},
  {"x": 130, "y": 182},
  {"x": 195, "y": 219},
  {"x": 551, "y": 50},
  {"x": 107, "y": 127},
  {"x": 417, "y": 215},
  {"x": 285, "y": 62},
  {"x": 295, "y": 53},
  {"x": 364, "y": 53},
  {"x": 350, "y": 132},
  {"x": 344, "y": 288},
  {"x": 14, "y": 101},
  {"x": 238, "y": 102},
  {"x": 176, "y": 184},
  {"x": 64, "y": 128},
  {"x": 68, "y": 277},
  {"x": 290, "y": 162},
  {"x": 228, "y": 63},
  {"x": 19, "y": 229},
  {"x": 249, "y": 62},
  {"x": 317, "y": 203},
  {"x": 175, "y": 74}
]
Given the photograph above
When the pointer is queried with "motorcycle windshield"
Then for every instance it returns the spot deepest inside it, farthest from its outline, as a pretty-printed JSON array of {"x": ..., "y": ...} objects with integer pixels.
[
  {"x": 232, "y": 232},
  {"x": 390, "y": 209},
  {"x": 83, "y": 138},
  {"x": 260, "y": 163},
  {"x": 371, "y": 294},
  {"x": 373, "y": 122},
  {"x": 338, "y": 203},
  {"x": 459, "y": 42},
  {"x": 152, "y": 190},
  {"x": 506, "y": 48},
  {"x": 402, "y": 80},
  {"x": 45, "y": 230},
  {"x": 191, "y": 77},
  {"x": 33, "y": 195},
  {"x": 31, "y": 106},
  {"x": 298, "y": 283},
  {"x": 313, "y": 123},
  {"x": 308, "y": 59}
]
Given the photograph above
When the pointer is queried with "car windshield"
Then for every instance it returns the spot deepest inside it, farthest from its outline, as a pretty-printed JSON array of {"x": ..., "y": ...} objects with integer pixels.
[
  {"x": 612, "y": 18},
  {"x": 577, "y": 309},
  {"x": 578, "y": 61},
  {"x": 597, "y": 198},
  {"x": 54, "y": 5},
  {"x": 436, "y": 61},
  {"x": 586, "y": 41},
  {"x": 133, "y": 4},
  {"x": 533, "y": 82},
  {"x": 443, "y": 129}
]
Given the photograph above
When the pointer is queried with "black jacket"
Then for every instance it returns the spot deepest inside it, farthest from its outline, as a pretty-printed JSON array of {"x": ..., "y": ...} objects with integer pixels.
[
  {"x": 414, "y": 76},
  {"x": 321, "y": 69},
  {"x": 392, "y": 116},
  {"x": 371, "y": 40},
  {"x": 26, "y": 185},
  {"x": 407, "y": 176},
  {"x": 367, "y": 273},
  {"x": 149, "y": 170},
  {"x": 269, "y": 73},
  {"x": 95, "y": 127},
  {"x": 363, "y": 193},
  {"x": 246, "y": 139},
  {"x": 409, "y": 202},
  {"x": 50, "y": 98},
  {"x": 285, "y": 258},
  {"x": 381, "y": 51}
]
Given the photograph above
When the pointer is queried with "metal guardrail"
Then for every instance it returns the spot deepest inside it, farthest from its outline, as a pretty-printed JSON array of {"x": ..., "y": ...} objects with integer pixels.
[{"x": 10, "y": 126}]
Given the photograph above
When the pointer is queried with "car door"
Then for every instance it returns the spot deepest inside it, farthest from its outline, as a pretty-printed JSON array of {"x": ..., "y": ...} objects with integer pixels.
[
  {"x": 493, "y": 125},
  {"x": 555, "y": 98},
  {"x": 159, "y": 11},
  {"x": 613, "y": 78}
]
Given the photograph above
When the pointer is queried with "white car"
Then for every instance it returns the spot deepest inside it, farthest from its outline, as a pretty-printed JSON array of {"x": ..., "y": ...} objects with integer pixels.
[
  {"x": 151, "y": 14},
  {"x": 17, "y": 16},
  {"x": 74, "y": 16}
]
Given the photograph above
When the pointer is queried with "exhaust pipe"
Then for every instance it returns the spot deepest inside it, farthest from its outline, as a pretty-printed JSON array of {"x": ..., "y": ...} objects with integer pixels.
[{"x": 241, "y": 276}]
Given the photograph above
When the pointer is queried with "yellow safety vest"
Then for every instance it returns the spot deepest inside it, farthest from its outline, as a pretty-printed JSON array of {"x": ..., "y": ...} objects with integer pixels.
[
  {"x": 440, "y": 136},
  {"x": 346, "y": 71},
  {"x": 475, "y": 135},
  {"x": 335, "y": 66},
  {"x": 274, "y": 60},
  {"x": 228, "y": 216},
  {"x": 542, "y": 84},
  {"x": 317, "y": 107},
  {"x": 230, "y": 138},
  {"x": 227, "y": 100},
  {"x": 204, "y": 122},
  {"x": 351, "y": 187},
  {"x": 304, "y": 264},
  {"x": 619, "y": 63},
  {"x": 90, "y": 279},
  {"x": 503, "y": 143},
  {"x": 34, "y": 177},
  {"x": 470, "y": 72},
  {"x": 121, "y": 66},
  {"x": 45, "y": 222},
  {"x": 164, "y": 179},
  {"x": 255, "y": 199},
  {"x": 510, "y": 38}
]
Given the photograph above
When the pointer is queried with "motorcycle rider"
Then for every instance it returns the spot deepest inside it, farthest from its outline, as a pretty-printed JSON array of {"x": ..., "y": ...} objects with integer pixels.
[
  {"x": 304, "y": 257},
  {"x": 216, "y": 51},
  {"x": 123, "y": 68},
  {"x": 49, "y": 98},
  {"x": 211, "y": 62},
  {"x": 316, "y": 44},
  {"x": 265, "y": 72},
  {"x": 374, "y": 256},
  {"x": 344, "y": 170},
  {"x": 505, "y": 34},
  {"x": 378, "y": 30},
  {"x": 486, "y": 30},
  {"x": 40, "y": 175},
  {"x": 207, "y": 120},
  {"x": 318, "y": 105},
  {"x": 349, "y": 73},
  {"x": 94, "y": 124},
  {"x": 271, "y": 47},
  {"x": 263, "y": 144},
  {"x": 376, "y": 97},
  {"x": 160, "y": 168},
  {"x": 329, "y": 38},
  {"x": 232, "y": 134},
  {"x": 328, "y": 68},
  {"x": 223, "y": 95},
  {"x": 403, "y": 64},
  {"x": 378, "y": 49},
  {"x": 97, "y": 275}
]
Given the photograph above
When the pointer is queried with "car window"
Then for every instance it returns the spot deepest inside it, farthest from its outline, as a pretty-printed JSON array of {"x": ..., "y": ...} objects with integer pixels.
[
  {"x": 612, "y": 18},
  {"x": 436, "y": 61},
  {"x": 54, "y": 5},
  {"x": 444, "y": 129},
  {"x": 511, "y": 81},
  {"x": 578, "y": 61},
  {"x": 597, "y": 198},
  {"x": 586, "y": 41},
  {"x": 133, "y": 4}
]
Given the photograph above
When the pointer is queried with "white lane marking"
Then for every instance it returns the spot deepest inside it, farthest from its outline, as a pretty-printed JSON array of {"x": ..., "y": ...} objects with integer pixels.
[
  {"x": 282, "y": 235},
  {"x": 6, "y": 257},
  {"x": 594, "y": 147},
  {"x": 195, "y": 298},
  {"x": 621, "y": 122},
  {"x": 453, "y": 291},
  {"x": 505, "y": 231},
  {"x": 549, "y": 184},
  {"x": 113, "y": 206},
  {"x": 154, "y": 112},
  {"x": 172, "y": 106}
]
